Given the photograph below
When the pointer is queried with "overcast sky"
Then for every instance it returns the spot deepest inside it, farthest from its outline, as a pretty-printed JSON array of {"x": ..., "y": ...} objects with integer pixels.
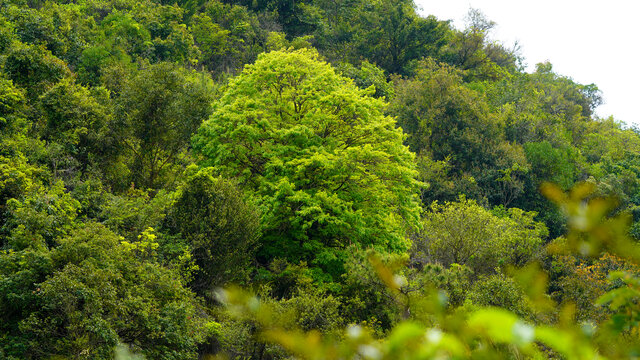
[{"x": 589, "y": 41}]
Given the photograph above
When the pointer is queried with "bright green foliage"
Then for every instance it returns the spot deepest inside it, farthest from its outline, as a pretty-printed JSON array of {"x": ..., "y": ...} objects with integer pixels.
[
  {"x": 325, "y": 165},
  {"x": 16, "y": 179},
  {"x": 552, "y": 164},
  {"x": 490, "y": 332},
  {"x": 608, "y": 140},
  {"x": 93, "y": 61},
  {"x": 526, "y": 235},
  {"x": 218, "y": 226},
  {"x": 302, "y": 177},
  {"x": 7, "y": 35},
  {"x": 465, "y": 233},
  {"x": 11, "y": 109}
]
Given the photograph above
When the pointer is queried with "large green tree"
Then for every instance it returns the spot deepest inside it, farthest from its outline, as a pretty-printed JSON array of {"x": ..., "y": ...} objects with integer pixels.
[{"x": 327, "y": 167}]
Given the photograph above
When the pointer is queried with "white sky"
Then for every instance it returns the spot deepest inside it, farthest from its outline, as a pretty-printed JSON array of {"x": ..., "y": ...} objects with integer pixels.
[{"x": 589, "y": 41}]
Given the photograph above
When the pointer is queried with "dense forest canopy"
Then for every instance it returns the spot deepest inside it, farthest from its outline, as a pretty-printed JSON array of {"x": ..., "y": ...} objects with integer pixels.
[{"x": 370, "y": 177}]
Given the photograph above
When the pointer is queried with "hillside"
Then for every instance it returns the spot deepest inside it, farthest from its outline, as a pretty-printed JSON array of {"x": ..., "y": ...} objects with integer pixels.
[{"x": 325, "y": 179}]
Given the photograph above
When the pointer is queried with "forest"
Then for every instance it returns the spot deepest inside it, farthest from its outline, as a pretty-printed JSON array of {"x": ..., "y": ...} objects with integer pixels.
[{"x": 320, "y": 179}]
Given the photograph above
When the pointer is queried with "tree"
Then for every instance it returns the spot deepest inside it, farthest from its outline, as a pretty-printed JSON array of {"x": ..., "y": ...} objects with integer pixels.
[
  {"x": 465, "y": 233},
  {"x": 446, "y": 119},
  {"x": 367, "y": 75},
  {"x": 296, "y": 17},
  {"x": 89, "y": 293},
  {"x": 160, "y": 108},
  {"x": 220, "y": 228},
  {"x": 11, "y": 109},
  {"x": 34, "y": 68},
  {"x": 326, "y": 166},
  {"x": 75, "y": 118},
  {"x": 470, "y": 50},
  {"x": 391, "y": 34},
  {"x": 228, "y": 36}
]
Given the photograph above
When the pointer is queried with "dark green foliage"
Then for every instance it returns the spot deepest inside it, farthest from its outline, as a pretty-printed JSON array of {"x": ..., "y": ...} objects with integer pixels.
[
  {"x": 368, "y": 75},
  {"x": 444, "y": 118},
  {"x": 95, "y": 294},
  {"x": 228, "y": 36},
  {"x": 41, "y": 216},
  {"x": 93, "y": 61},
  {"x": 366, "y": 298},
  {"x": 159, "y": 109},
  {"x": 219, "y": 227},
  {"x": 392, "y": 35},
  {"x": 76, "y": 119},
  {"x": 131, "y": 213},
  {"x": 471, "y": 50},
  {"x": 296, "y": 18},
  {"x": 34, "y": 68}
]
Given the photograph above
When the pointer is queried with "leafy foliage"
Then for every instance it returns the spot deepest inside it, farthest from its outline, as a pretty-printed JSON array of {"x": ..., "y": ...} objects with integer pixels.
[
  {"x": 160, "y": 108},
  {"x": 465, "y": 233},
  {"x": 88, "y": 294},
  {"x": 371, "y": 173},
  {"x": 328, "y": 168},
  {"x": 219, "y": 227}
]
